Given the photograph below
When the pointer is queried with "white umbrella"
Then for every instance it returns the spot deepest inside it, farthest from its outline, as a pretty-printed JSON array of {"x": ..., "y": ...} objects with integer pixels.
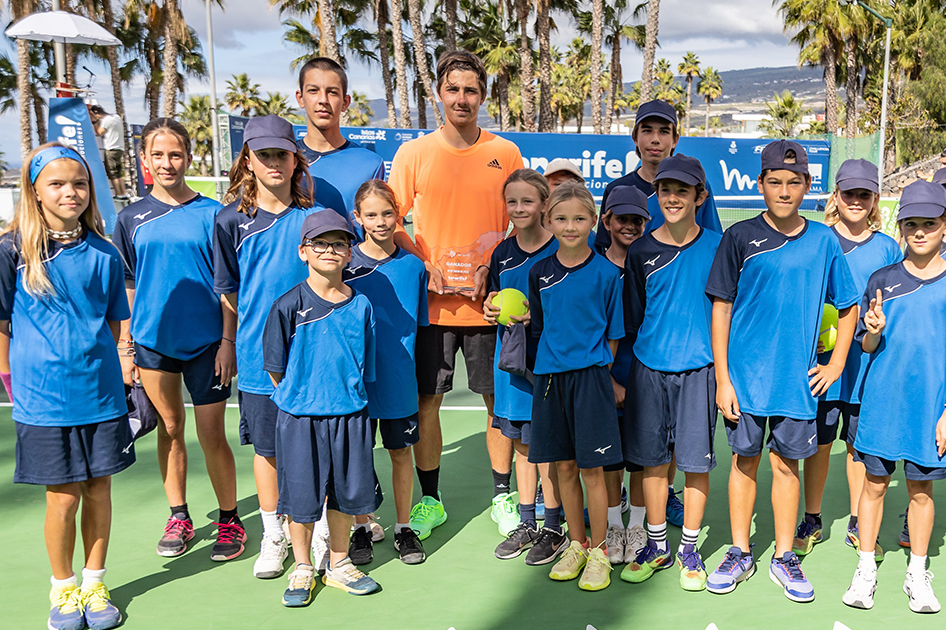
[{"x": 62, "y": 27}]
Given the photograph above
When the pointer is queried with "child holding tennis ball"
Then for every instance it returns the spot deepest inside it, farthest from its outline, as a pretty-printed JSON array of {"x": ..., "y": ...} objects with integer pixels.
[
  {"x": 903, "y": 330},
  {"x": 853, "y": 212},
  {"x": 526, "y": 193}
]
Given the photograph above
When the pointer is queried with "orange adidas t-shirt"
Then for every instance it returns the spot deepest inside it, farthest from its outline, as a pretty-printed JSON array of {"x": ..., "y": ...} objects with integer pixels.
[{"x": 459, "y": 211}]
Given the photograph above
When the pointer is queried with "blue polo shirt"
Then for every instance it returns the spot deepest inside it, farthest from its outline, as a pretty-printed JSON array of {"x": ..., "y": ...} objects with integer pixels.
[
  {"x": 575, "y": 312},
  {"x": 509, "y": 268},
  {"x": 325, "y": 352},
  {"x": 168, "y": 253},
  {"x": 63, "y": 361},
  {"x": 339, "y": 173},
  {"x": 258, "y": 258},
  {"x": 777, "y": 285},
  {"x": 904, "y": 387},
  {"x": 864, "y": 258},
  {"x": 397, "y": 289},
  {"x": 666, "y": 306}
]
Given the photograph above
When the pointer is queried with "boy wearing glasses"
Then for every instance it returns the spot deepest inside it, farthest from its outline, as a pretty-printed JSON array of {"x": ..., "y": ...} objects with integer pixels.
[{"x": 319, "y": 350}]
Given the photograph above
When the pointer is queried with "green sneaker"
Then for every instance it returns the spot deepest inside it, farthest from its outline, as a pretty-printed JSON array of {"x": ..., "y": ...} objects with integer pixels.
[
  {"x": 807, "y": 535},
  {"x": 649, "y": 560},
  {"x": 692, "y": 570},
  {"x": 426, "y": 515},
  {"x": 505, "y": 512}
]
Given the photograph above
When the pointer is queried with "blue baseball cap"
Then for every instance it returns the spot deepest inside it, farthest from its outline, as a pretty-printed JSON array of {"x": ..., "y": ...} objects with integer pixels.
[
  {"x": 322, "y": 222},
  {"x": 623, "y": 200},
  {"x": 939, "y": 177},
  {"x": 923, "y": 200},
  {"x": 269, "y": 132},
  {"x": 785, "y": 155},
  {"x": 858, "y": 174},
  {"x": 682, "y": 168},
  {"x": 656, "y": 109}
]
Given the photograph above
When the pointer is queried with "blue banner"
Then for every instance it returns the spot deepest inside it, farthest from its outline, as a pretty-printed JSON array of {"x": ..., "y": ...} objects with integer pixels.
[{"x": 69, "y": 123}]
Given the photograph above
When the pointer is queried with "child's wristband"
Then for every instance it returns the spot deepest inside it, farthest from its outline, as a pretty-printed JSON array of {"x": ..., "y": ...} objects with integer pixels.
[{"x": 7, "y": 384}]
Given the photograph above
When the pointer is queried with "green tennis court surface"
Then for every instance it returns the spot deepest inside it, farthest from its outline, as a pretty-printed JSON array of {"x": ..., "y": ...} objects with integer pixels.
[{"x": 461, "y": 585}]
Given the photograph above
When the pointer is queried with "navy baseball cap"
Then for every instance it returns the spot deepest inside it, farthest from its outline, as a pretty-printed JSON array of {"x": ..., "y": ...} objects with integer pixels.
[
  {"x": 323, "y": 221},
  {"x": 777, "y": 156},
  {"x": 269, "y": 132},
  {"x": 939, "y": 177},
  {"x": 624, "y": 200},
  {"x": 682, "y": 168},
  {"x": 656, "y": 109},
  {"x": 923, "y": 200},
  {"x": 858, "y": 174}
]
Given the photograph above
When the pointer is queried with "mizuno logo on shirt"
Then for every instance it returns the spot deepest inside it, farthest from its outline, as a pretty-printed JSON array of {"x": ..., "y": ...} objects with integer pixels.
[
  {"x": 305, "y": 312},
  {"x": 602, "y": 450},
  {"x": 812, "y": 438},
  {"x": 217, "y": 386},
  {"x": 547, "y": 279},
  {"x": 503, "y": 262},
  {"x": 410, "y": 431},
  {"x": 494, "y": 163},
  {"x": 890, "y": 289},
  {"x": 143, "y": 214},
  {"x": 247, "y": 225},
  {"x": 652, "y": 261},
  {"x": 759, "y": 243}
]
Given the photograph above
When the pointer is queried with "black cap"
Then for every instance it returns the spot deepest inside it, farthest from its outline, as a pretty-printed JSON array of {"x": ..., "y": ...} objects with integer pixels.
[
  {"x": 656, "y": 109},
  {"x": 858, "y": 174},
  {"x": 923, "y": 200},
  {"x": 682, "y": 168},
  {"x": 269, "y": 132},
  {"x": 939, "y": 177},
  {"x": 624, "y": 200},
  {"x": 775, "y": 154},
  {"x": 323, "y": 221}
]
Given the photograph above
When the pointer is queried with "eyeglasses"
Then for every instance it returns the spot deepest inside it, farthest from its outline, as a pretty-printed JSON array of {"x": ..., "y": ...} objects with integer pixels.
[{"x": 320, "y": 247}]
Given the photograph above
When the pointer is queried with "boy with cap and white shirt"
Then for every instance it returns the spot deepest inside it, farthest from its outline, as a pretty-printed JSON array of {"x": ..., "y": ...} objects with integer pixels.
[
  {"x": 903, "y": 330},
  {"x": 769, "y": 281},
  {"x": 560, "y": 171},
  {"x": 319, "y": 350}
]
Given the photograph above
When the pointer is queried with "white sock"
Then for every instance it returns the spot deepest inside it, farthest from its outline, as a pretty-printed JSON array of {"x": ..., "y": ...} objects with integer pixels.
[
  {"x": 867, "y": 560},
  {"x": 320, "y": 528},
  {"x": 90, "y": 577},
  {"x": 636, "y": 516},
  {"x": 690, "y": 537},
  {"x": 614, "y": 517},
  {"x": 69, "y": 581},
  {"x": 917, "y": 564},
  {"x": 658, "y": 534},
  {"x": 363, "y": 526},
  {"x": 272, "y": 526},
  {"x": 400, "y": 527}
]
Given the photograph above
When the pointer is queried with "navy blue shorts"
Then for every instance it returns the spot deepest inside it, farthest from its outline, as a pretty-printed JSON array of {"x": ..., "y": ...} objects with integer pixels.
[
  {"x": 880, "y": 467},
  {"x": 829, "y": 412},
  {"x": 574, "y": 418},
  {"x": 325, "y": 457},
  {"x": 258, "y": 423},
  {"x": 49, "y": 456},
  {"x": 204, "y": 386},
  {"x": 514, "y": 429},
  {"x": 667, "y": 413},
  {"x": 792, "y": 439},
  {"x": 436, "y": 357},
  {"x": 395, "y": 434}
]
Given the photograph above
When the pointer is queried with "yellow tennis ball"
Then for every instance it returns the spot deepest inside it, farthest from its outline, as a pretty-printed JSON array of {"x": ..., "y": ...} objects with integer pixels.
[
  {"x": 828, "y": 333},
  {"x": 510, "y": 304}
]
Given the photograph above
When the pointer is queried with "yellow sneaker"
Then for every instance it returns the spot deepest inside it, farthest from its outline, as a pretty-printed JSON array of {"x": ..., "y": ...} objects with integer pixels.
[
  {"x": 597, "y": 573},
  {"x": 570, "y": 563},
  {"x": 100, "y": 612},
  {"x": 65, "y": 612}
]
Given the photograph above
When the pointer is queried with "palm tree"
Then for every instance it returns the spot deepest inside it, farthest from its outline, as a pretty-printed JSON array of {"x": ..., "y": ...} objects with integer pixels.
[
  {"x": 9, "y": 91},
  {"x": 175, "y": 30},
  {"x": 526, "y": 91},
  {"x": 142, "y": 19},
  {"x": 617, "y": 31},
  {"x": 597, "y": 35},
  {"x": 650, "y": 49},
  {"x": 196, "y": 118},
  {"x": 359, "y": 112},
  {"x": 382, "y": 19},
  {"x": 546, "y": 120},
  {"x": 241, "y": 94},
  {"x": 489, "y": 33},
  {"x": 689, "y": 68},
  {"x": 420, "y": 58},
  {"x": 20, "y": 9},
  {"x": 400, "y": 63},
  {"x": 275, "y": 103},
  {"x": 710, "y": 88},
  {"x": 667, "y": 89},
  {"x": 450, "y": 25},
  {"x": 784, "y": 113},
  {"x": 327, "y": 20}
]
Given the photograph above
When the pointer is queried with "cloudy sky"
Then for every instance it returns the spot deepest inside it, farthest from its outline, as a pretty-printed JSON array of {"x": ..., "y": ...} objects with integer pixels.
[{"x": 725, "y": 34}]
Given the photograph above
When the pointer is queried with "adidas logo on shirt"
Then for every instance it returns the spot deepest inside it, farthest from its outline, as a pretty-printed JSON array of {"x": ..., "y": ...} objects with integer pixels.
[{"x": 494, "y": 163}]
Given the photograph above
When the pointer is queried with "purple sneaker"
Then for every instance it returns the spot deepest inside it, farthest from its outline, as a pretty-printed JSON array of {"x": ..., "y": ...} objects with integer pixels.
[
  {"x": 736, "y": 567},
  {"x": 786, "y": 572}
]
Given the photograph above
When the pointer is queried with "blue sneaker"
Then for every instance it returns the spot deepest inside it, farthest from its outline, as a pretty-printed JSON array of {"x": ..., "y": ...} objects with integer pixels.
[
  {"x": 787, "y": 573},
  {"x": 539, "y": 504},
  {"x": 734, "y": 568},
  {"x": 66, "y": 608},
  {"x": 100, "y": 612},
  {"x": 301, "y": 585},
  {"x": 674, "y": 509}
]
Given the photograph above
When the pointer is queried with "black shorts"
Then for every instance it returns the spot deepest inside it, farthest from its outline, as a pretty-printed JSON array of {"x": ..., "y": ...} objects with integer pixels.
[
  {"x": 436, "y": 356},
  {"x": 829, "y": 412},
  {"x": 397, "y": 433},
  {"x": 880, "y": 467},
  {"x": 514, "y": 429},
  {"x": 113, "y": 163},
  {"x": 203, "y": 384},
  {"x": 258, "y": 423}
]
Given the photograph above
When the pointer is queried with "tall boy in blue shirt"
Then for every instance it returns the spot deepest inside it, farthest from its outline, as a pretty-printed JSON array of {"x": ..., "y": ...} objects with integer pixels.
[{"x": 769, "y": 280}]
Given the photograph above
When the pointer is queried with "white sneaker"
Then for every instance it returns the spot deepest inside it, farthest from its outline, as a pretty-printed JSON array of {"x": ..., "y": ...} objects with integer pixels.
[
  {"x": 920, "y": 590},
  {"x": 320, "y": 552},
  {"x": 377, "y": 532},
  {"x": 272, "y": 554},
  {"x": 635, "y": 539},
  {"x": 861, "y": 592},
  {"x": 615, "y": 543}
]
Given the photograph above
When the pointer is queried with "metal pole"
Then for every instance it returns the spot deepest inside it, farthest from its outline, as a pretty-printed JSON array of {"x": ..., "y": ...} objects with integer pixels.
[
  {"x": 59, "y": 52},
  {"x": 215, "y": 152},
  {"x": 883, "y": 107}
]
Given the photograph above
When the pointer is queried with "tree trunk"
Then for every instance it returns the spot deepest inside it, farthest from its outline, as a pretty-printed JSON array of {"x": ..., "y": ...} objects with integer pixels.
[
  {"x": 421, "y": 104},
  {"x": 831, "y": 92},
  {"x": 503, "y": 88},
  {"x": 527, "y": 93},
  {"x": 706, "y": 124},
  {"x": 420, "y": 57},
  {"x": 25, "y": 96},
  {"x": 615, "y": 81},
  {"x": 850, "y": 119},
  {"x": 450, "y": 24},
  {"x": 71, "y": 55},
  {"x": 400, "y": 65},
  {"x": 597, "y": 37},
  {"x": 689, "y": 102},
  {"x": 546, "y": 117},
  {"x": 170, "y": 58},
  {"x": 381, "y": 11},
  {"x": 580, "y": 118},
  {"x": 650, "y": 49},
  {"x": 41, "y": 131},
  {"x": 327, "y": 16}
]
